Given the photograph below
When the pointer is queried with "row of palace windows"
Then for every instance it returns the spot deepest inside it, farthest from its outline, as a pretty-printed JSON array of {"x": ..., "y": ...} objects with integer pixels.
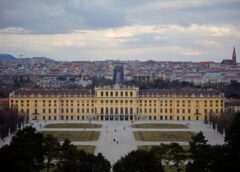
[
  {"x": 171, "y": 118},
  {"x": 62, "y": 117},
  {"x": 110, "y": 110},
  {"x": 121, "y": 94},
  {"x": 177, "y": 110},
  {"x": 210, "y": 102},
  {"x": 116, "y": 101},
  {"x": 117, "y": 110},
  {"x": 62, "y": 111}
]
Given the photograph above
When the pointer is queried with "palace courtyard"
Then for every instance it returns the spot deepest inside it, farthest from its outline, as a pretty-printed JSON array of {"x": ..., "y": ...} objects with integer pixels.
[{"x": 115, "y": 139}]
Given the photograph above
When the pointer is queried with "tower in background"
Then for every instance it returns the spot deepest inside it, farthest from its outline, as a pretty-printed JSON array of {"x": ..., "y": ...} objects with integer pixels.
[
  {"x": 118, "y": 74},
  {"x": 232, "y": 61},
  {"x": 234, "y": 56}
]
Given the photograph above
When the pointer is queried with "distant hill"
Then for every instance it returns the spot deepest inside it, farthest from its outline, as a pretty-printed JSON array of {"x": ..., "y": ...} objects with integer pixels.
[{"x": 10, "y": 58}]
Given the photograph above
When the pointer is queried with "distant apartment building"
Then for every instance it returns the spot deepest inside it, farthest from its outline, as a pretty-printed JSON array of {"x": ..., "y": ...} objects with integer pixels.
[
  {"x": 117, "y": 103},
  {"x": 145, "y": 78}
]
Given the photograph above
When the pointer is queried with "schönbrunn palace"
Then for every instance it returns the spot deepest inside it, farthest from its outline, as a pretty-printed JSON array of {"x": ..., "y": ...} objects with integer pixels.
[{"x": 116, "y": 103}]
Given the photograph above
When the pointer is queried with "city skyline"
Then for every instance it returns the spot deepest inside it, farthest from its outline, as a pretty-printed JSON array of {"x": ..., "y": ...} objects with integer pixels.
[{"x": 79, "y": 30}]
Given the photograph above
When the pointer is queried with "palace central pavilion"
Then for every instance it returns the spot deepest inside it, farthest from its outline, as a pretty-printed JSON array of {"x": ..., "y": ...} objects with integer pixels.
[{"x": 117, "y": 103}]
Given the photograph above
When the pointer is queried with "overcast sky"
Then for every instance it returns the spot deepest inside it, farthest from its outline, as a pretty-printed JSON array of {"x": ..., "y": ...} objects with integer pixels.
[{"x": 177, "y": 30}]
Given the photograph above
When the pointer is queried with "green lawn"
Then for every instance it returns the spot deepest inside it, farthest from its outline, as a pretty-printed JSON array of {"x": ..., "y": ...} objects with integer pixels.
[
  {"x": 171, "y": 168},
  {"x": 173, "y": 136},
  {"x": 148, "y": 147},
  {"x": 74, "y": 135},
  {"x": 87, "y": 148},
  {"x": 161, "y": 125},
  {"x": 73, "y": 125}
]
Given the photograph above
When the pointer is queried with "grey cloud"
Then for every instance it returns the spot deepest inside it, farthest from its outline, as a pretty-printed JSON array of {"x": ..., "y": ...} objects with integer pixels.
[
  {"x": 58, "y": 16},
  {"x": 63, "y": 16},
  {"x": 206, "y": 13}
]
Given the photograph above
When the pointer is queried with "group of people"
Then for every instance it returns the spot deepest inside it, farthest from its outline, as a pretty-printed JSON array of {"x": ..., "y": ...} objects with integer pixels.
[{"x": 115, "y": 130}]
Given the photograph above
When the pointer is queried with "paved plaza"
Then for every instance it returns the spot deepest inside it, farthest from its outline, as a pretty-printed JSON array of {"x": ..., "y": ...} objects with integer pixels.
[{"x": 116, "y": 137}]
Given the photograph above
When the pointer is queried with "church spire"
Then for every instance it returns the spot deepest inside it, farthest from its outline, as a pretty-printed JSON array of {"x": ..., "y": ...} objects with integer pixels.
[{"x": 234, "y": 57}]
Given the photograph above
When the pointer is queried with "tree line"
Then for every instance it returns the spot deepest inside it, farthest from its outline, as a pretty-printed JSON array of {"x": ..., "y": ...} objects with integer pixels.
[
  {"x": 9, "y": 120},
  {"x": 31, "y": 151},
  {"x": 221, "y": 122}
]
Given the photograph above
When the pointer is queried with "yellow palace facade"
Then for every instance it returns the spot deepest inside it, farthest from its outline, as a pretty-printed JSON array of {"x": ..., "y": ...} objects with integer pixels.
[{"x": 117, "y": 103}]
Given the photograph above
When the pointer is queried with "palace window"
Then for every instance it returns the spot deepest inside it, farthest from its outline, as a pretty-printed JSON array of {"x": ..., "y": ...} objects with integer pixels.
[{"x": 126, "y": 110}]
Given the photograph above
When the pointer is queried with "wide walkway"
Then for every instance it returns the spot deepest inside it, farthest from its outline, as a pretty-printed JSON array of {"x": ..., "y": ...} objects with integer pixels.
[{"x": 116, "y": 137}]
